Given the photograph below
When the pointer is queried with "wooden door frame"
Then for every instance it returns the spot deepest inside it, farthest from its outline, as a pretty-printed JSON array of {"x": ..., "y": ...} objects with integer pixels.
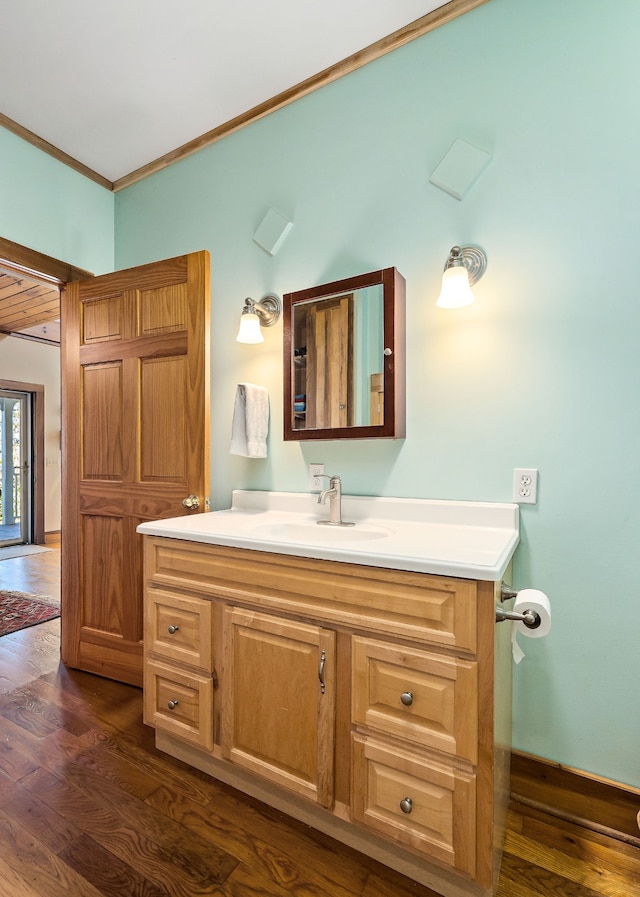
[
  {"x": 37, "y": 264},
  {"x": 36, "y": 393}
]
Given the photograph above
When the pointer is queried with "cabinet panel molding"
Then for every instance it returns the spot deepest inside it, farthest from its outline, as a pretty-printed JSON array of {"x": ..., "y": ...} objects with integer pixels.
[{"x": 279, "y": 701}]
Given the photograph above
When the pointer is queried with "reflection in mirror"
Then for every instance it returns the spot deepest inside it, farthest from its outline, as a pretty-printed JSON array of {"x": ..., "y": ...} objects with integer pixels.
[{"x": 344, "y": 358}]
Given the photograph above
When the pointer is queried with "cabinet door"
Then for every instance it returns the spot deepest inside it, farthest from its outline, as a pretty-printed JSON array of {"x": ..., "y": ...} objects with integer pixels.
[{"x": 279, "y": 701}]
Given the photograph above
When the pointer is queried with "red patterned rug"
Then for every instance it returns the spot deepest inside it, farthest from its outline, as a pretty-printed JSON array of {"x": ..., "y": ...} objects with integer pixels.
[{"x": 19, "y": 610}]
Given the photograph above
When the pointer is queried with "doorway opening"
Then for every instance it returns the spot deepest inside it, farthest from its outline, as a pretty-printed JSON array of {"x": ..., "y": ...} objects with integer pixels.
[
  {"x": 16, "y": 464},
  {"x": 21, "y": 463}
]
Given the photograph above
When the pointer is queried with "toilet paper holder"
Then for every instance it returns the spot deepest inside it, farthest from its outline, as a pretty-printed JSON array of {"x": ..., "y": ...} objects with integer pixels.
[{"x": 530, "y": 618}]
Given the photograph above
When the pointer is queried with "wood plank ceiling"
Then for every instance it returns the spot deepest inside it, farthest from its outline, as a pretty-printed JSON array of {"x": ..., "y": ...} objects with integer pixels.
[{"x": 29, "y": 306}]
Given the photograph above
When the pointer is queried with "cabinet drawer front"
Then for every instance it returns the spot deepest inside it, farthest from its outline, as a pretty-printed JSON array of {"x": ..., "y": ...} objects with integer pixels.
[
  {"x": 428, "y": 699},
  {"x": 426, "y": 806},
  {"x": 178, "y": 628},
  {"x": 179, "y": 703},
  {"x": 439, "y": 609}
]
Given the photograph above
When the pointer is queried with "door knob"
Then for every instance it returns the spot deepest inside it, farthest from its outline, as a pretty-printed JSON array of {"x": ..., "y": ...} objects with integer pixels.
[{"x": 191, "y": 502}]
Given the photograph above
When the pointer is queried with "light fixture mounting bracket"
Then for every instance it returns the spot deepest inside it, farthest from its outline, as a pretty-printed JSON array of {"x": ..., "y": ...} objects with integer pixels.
[
  {"x": 473, "y": 258},
  {"x": 267, "y": 309}
]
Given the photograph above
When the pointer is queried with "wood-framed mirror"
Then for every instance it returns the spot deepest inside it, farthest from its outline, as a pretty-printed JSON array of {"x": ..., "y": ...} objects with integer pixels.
[{"x": 344, "y": 359}]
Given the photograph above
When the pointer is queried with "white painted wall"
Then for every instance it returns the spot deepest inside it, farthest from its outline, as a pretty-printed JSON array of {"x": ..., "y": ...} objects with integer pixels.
[{"x": 29, "y": 362}]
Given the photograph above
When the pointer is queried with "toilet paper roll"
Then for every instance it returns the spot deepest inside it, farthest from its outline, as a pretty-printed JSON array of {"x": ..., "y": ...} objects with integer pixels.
[{"x": 536, "y": 601}]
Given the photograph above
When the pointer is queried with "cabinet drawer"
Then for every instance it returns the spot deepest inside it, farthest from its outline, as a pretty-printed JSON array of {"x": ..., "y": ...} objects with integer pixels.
[
  {"x": 426, "y": 806},
  {"x": 179, "y": 703},
  {"x": 399, "y": 603},
  {"x": 428, "y": 699},
  {"x": 178, "y": 628}
]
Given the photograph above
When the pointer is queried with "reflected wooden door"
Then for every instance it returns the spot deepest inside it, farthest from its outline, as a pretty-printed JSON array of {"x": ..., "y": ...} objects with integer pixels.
[
  {"x": 329, "y": 371},
  {"x": 135, "y": 422}
]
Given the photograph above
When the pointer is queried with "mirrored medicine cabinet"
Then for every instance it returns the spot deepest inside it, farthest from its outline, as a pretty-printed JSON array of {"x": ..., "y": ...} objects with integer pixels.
[{"x": 344, "y": 359}]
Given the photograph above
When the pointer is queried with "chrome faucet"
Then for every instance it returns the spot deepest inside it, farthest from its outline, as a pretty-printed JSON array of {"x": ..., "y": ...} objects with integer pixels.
[{"x": 334, "y": 493}]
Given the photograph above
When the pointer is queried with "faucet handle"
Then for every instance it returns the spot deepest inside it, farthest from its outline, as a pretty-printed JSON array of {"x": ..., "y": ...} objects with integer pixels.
[{"x": 332, "y": 479}]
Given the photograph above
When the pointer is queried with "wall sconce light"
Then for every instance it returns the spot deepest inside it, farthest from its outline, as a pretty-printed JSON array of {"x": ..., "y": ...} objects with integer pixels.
[
  {"x": 465, "y": 265},
  {"x": 256, "y": 315}
]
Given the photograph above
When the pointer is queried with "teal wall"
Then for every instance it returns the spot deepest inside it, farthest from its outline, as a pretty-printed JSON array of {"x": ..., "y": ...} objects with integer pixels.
[
  {"x": 47, "y": 206},
  {"x": 542, "y": 371}
]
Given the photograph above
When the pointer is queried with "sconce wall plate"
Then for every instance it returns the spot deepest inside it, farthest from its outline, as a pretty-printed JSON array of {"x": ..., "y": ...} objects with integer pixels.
[
  {"x": 464, "y": 266},
  {"x": 256, "y": 315},
  {"x": 268, "y": 309},
  {"x": 473, "y": 258}
]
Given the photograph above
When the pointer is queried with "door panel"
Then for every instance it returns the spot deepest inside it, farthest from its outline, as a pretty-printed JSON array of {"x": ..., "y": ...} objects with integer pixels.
[
  {"x": 328, "y": 364},
  {"x": 135, "y": 377},
  {"x": 279, "y": 701}
]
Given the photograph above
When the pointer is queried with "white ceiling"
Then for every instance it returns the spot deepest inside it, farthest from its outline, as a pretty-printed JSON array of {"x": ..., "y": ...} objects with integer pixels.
[{"x": 116, "y": 84}]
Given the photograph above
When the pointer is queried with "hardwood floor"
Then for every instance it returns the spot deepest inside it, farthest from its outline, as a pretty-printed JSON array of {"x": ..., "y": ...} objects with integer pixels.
[
  {"x": 88, "y": 807},
  {"x": 35, "y": 573}
]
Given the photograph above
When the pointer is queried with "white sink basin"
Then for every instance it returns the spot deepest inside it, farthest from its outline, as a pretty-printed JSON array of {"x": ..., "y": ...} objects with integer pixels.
[
  {"x": 310, "y": 532},
  {"x": 475, "y": 540}
]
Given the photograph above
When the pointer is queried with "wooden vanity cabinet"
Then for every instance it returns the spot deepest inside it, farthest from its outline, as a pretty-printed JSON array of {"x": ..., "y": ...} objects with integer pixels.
[{"x": 372, "y": 704}]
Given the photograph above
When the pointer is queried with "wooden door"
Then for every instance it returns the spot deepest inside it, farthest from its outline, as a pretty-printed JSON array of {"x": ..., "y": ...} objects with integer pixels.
[
  {"x": 135, "y": 423},
  {"x": 279, "y": 701}
]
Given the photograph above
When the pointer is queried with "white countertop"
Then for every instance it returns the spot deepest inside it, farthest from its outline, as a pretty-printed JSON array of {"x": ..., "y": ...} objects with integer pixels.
[{"x": 474, "y": 540}]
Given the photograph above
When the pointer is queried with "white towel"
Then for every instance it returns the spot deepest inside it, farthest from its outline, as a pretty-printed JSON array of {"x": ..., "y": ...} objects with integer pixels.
[{"x": 250, "y": 421}]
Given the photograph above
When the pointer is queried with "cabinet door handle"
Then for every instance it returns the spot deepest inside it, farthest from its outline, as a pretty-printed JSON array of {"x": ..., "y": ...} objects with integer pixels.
[
  {"x": 406, "y": 805},
  {"x": 172, "y": 705},
  {"x": 407, "y": 698},
  {"x": 323, "y": 657},
  {"x": 173, "y": 630}
]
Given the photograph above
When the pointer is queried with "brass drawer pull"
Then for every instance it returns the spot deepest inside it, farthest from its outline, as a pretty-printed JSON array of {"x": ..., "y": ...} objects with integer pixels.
[
  {"x": 406, "y": 805},
  {"x": 172, "y": 705},
  {"x": 173, "y": 630},
  {"x": 407, "y": 698}
]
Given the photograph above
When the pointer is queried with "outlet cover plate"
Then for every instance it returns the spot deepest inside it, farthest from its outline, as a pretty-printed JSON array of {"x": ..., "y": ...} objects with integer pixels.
[{"x": 525, "y": 485}]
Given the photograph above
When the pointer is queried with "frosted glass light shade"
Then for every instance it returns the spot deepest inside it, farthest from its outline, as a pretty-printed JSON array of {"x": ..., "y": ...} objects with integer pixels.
[
  {"x": 455, "y": 292},
  {"x": 250, "y": 330}
]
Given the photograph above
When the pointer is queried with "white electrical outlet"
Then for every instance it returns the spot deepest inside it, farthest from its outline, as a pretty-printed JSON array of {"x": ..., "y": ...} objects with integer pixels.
[
  {"x": 315, "y": 477},
  {"x": 525, "y": 485}
]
